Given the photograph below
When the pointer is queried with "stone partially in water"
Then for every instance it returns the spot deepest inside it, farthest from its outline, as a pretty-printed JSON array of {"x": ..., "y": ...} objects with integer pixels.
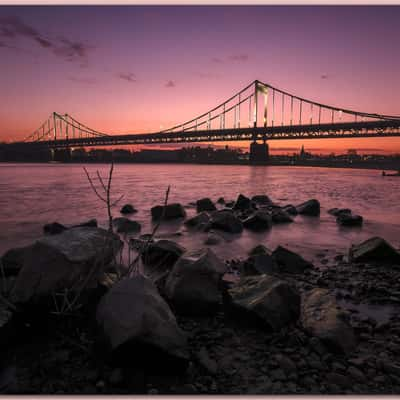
[
  {"x": 374, "y": 249},
  {"x": 322, "y": 318},
  {"x": 309, "y": 207},
  {"x": 259, "y": 249},
  {"x": 290, "y": 209},
  {"x": 54, "y": 228},
  {"x": 162, "y": 253},
  {"x": 170, "y": 211},
  {"x": 259, "y": 221},
  {"x": 242, "y": 203},
  {"x": 205, "y": 204},
  {"x": 125, "y": 225},
  {"x": 258, "y": 264},
  {"x": 280, "y": 216},
  {"x": 261, "y": 199},
  {"x": 338, "y": 211},
  {"x": 193, "y": 284},
  {"x": 13, "y": 260},
  {"x": 346, "y": 219},
  {"x": 128, "y": 209},
  {"x": 58, "y": 262},
  {"x": 226, "y": 221},
  {"x": 198, "y": 220},
  {"x": 139, "y": 327},
  {"x": 265, "y": 298},
  {"x": 290, "y": 262}
]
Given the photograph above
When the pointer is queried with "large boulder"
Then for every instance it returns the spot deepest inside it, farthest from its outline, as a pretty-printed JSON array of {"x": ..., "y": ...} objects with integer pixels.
[
  {"x": 261, "y": 199},
  {"x": 60, "y": 261},
  {"x": 321, "y": 317},
  {"x": 290, "y": 262},
  {"x": 280, "y": 216},
  {"x": 126, "y": 225},
  {"x": 128, "y": 209},
  {"x": 258, "y": 264},
  {"x": 170, "y": 211},
  {"x": 310, "y": 207},
  {"x": 199, "y": 220},
  {"x": 346, "y": 219},
  {"x": 226, "y": 221},
  {"x": 205, "y": 204},
  {"x": 374, "y": 249},
  {"x": 139, "y": 328},
  {"x": 259, "y": 221},
  {"x": 193, "y": 285},
  {"x": 259, "y": 249},
  {"x": 242, "y": 203},
  {"x": 266, "y": 299}
]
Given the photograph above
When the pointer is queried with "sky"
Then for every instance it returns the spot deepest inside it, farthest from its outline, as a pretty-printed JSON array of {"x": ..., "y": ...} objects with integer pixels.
[{"x": 128, "y": 69}]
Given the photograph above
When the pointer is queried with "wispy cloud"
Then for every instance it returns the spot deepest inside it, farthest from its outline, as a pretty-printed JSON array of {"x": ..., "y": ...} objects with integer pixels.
[
  {"x": 240, "y": 57},
  {"x": 13, "y": 28},
  {"x": 170, "y": 84},
  {"x": 127, "y": 76}
]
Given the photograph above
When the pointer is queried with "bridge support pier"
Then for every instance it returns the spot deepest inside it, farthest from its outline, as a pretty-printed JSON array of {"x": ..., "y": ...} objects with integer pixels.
[{"x": 259, "y": 153}]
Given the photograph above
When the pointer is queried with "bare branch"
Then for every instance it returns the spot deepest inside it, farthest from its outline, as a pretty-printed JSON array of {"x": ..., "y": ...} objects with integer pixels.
[{"x": 94, "y": 187}]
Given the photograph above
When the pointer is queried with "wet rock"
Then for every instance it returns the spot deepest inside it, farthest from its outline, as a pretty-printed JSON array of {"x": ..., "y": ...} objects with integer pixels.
[
  {"x": 259, "y": 249},
  {"x": 13, "y": 260},
  {"x": 258, "y": 264},
  {"x": 261, "y": 200},
  {"x": 259, "y": 221},
  {"x": 128, "y": 209},
  {"x": 356, "y": 374},
  {"x": 290, "y": 209},
  {"x": 138, "y": 327},
  {"x": 290, "y": 262},
  {"x": 346, "y": 219},
  {"x": 321, "y": 317},
  {"x": 221, "y": 200},
  {"x": 198, "y": 220},
  {"x": 57, "y": 262},
  {"x": 162, "y": 254},
  {"x": 374, "y": 249},
  {"x": 339, "y": 211},
  {"x": 242, "y": 203},
  {"x": 226, "y": 221},
  {"x": 310, "y": 207},
  {"x": 193, "y": 285},
  {"x": 205, "y": 204},
  {"x": 267, "y": 299},
  {"x": 91, "y": 223},
  {"x": 54, "y": 228},
  {"x": 280, "y": 216},
  {"x": 125, "y": 225},
  {"x": 229, "y": 203},
  {"x": 170, "y": 211}
]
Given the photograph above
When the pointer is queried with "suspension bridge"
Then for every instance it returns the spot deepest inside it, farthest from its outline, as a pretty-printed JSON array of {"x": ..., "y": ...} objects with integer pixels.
[{"x": 257, "y": 112}]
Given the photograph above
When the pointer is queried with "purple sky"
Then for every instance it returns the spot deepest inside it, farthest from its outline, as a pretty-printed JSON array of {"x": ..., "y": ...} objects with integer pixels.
[{"x": 136, "y": 68}]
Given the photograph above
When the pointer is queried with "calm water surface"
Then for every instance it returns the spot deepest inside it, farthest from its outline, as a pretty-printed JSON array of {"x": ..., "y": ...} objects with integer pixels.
[{"x": 32, "y": 195}]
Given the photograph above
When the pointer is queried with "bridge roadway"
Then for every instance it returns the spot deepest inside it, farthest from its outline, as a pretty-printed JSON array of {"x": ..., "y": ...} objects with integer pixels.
[{"x": 382, "y": 128}]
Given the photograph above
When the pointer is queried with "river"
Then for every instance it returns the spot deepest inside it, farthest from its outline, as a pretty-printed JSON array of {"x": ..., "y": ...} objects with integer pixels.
[{"x": 32, "y": 195}]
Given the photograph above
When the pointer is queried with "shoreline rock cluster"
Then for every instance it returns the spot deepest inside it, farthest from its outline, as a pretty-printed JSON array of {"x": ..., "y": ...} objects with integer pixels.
[{"x": 182, "y": 326}]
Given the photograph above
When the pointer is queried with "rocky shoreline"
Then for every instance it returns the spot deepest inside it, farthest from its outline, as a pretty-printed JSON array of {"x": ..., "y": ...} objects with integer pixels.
[{"x": 72, "y": 320}]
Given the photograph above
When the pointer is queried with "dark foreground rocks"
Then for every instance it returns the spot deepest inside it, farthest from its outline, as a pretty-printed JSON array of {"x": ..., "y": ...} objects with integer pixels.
[
  {"x": 139, "y": 327},
  {"x": 193, "y": 286},
  {"x": 374, "y": 249},
  {"x": 126, "y": 225},
  {"x": 59, "y": 261},
  {"x": 321, "y": 317},
  {"x": 267, "y": 299},
  {"x": 310, "y": 207}
]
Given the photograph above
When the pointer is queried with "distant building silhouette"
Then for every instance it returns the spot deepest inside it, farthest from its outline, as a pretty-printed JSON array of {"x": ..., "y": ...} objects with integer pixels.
[{"x": 259, "y": 153}]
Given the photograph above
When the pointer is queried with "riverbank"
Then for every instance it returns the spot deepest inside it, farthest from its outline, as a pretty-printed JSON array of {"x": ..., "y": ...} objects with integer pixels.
[{"x": 330, "y": 326}]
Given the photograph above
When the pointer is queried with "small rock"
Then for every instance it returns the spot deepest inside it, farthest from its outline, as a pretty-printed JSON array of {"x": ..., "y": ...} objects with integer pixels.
[{"x": 128, "y": 209}]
